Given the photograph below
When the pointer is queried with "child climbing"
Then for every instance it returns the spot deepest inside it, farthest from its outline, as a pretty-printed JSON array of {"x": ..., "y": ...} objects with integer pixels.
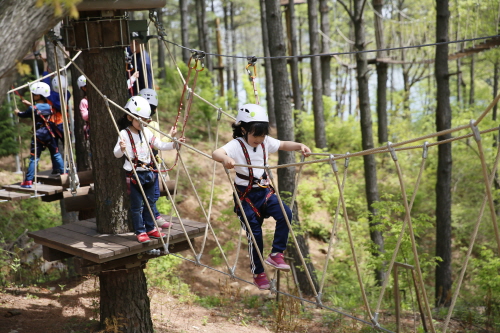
[
  {"x": 251, "y": 146},
  {"x": 84, "y": 105},
  {"x": 45, "y": 138},
  {"x": 134, "y": 139},
  {"x": 152, "y": 97}
]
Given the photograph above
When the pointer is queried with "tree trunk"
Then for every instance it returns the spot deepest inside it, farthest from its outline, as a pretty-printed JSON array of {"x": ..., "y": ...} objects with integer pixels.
[
  {"x": 235, "y": 62},
  {"x": 381, "y": 74},
  {"x": 317, "y": 89},
  {"x": 229, "y": 46},
  {"x": 267, "y": 66},
  {"x": 443, "y": 185},
  {"x": 325, "y": 48},
  {"x": 17, "y": 37},
  {"x": 370, "y": 165},
  {"x": 124, "y": 298},
  {"x": 123, "y": 292},
  {"x": 203, "y": 35},
  {"x": 162, "y": 72},
  {"x": 183, "y": 4},
  {"x": 284, "y": 122},
  {"x": 294, "y": 62},
  {"x": 472, "y": 92}
]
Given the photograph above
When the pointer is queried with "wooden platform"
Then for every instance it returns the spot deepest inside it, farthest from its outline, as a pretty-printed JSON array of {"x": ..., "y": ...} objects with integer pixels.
[
  {"x": 13, "y": 196},
  {"x": 38, "y": 188},
  {"x": 82, "y": 240}
]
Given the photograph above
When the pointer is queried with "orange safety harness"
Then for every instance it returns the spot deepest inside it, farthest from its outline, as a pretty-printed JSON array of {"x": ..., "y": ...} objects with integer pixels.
[{"x": 261, "y": 182}]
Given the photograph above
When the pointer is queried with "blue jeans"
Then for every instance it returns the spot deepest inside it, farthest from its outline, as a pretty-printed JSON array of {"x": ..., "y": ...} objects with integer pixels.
[
  {"x": 141, "y": 218},
  {"x": 271, "y": 208},
  {"x": 57, "y": 161}
]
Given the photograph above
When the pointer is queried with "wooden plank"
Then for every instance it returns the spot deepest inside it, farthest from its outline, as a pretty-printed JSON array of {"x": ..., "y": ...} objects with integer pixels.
[
  {"x": 13, "y": 196},
  {"x": 69, "y": 245},
  {"x": 99, "y": 242},
  {"x": 40, "y": 189}
]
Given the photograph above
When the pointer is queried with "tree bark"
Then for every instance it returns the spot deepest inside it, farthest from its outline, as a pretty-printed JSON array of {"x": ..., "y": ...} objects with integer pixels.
[
  {"x": 317, "y": 89},
  {"x": 381, "y": 74},
  {"x": 370, "y": 165},
  {"x": 286, "y": 176},
  {"x": 325, "y": 48},
  {"x": 444, "y": 170},
  {"x": 203, "y": 35},
  {"x": 162, "y": 71},
  {"x": 267, "y": 66},
  {"x": 124, "y": 298},
  {"x": 294, "y": 62},
  {"x": 103, "y": 68},
  {"x": 17, "y": 37},
  {"x": 183, "y": 4},
  {"x": 472, "y": 92},
  {"x": 229, "y": 48}
]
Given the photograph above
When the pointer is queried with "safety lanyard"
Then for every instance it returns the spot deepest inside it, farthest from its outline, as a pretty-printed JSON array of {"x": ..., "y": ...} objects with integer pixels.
[{"x": 134, "y": 150}]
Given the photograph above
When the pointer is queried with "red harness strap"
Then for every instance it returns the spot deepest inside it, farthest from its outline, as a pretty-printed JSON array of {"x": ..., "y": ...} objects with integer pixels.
[
  {"x": 251, "y": 178},
  {"x": 136, "y": 160},
  {"x": 46, "y": 121}
]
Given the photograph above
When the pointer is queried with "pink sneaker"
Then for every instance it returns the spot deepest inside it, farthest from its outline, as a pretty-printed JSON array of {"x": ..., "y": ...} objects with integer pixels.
[
  {"x": 261, "y": 281},
  {"x": 143, "y": 238},
  {"x": 155, "y": 234},
  {"x": 162, "y": 223},
  {"x": 276, "y": 260}
]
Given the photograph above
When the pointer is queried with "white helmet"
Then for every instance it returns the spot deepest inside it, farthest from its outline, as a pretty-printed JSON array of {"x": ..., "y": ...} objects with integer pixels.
[
  {"x": 150, "y": 95},
  {"x": 139, "y": 106},
  {"x": 55, "y": 83},
  {"x": 40, "y": 88},
  {"x": 251, "y": 112},
  {"x": 81, "y": 81}
]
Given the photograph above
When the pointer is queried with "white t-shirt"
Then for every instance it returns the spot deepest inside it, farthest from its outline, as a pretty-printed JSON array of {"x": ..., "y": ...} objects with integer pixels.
[
  {"x": 233, "y": 149},
  {"x": 141, "y": 147}
]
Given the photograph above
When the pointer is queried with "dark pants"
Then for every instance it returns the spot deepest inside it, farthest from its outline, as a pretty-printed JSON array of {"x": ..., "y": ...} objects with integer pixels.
[
  {"x": 141, "y": 218},
  {"x": 156, "y": 196},
  {"x": 44, "y": 140},
  {"x": 271, "y": 208}
]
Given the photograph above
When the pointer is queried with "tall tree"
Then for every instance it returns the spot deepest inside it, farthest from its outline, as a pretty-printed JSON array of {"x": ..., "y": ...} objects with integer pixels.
[
  {"x": 444, "y": 169},
  {"x": 317, "y": 89},
  {"x": 268, "y": 65},
  {"x": 370, "y": 165},
  {"x": 381, "y": 73},
  {"x": 183, "y": 5},
  {"x": 324, "y": 9},
  {"x": 17, "y": 38},
  {"x": 294, "y": 52},
  {"x": 284, "y": 121},
  {"x": 123, "y": 292},
  {"x": 162, "y": 72},
  {"x": 203, "y": 34}
]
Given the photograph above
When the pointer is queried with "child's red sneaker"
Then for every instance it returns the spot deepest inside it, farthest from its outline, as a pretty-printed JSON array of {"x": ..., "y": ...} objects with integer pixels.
[
  {"x": 143, "y": 238},
  {"x": 261, "y": 281},
  {"x": 27, "y": 184},
  {"x": 155, "y": 234},
  {"x": 276, "y": 260},
  {"x": 162, "y": 223}
]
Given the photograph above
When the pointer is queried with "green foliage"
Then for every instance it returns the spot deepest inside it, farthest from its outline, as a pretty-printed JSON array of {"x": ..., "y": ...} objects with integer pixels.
[
  {"x": 162, "y": 273},
  {"x": 8, "y": 132}
]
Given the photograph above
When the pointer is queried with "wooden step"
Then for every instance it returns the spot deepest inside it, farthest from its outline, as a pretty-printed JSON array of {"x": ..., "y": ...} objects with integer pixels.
[
  {"x": 13, "y": 196},
  {"x": 39, "y": 188}
]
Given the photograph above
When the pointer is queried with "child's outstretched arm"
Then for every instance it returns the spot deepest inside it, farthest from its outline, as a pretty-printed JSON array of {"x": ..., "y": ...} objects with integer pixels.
[
  {"x": 220, "y": 155},
  {"x": 293, "y": 146}
]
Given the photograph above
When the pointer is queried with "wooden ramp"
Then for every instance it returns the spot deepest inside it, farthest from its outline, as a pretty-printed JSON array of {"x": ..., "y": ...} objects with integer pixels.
[{"x": 81, "y": 239}]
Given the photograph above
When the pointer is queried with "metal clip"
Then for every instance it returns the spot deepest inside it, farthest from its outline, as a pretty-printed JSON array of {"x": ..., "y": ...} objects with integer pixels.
[
  {"x": 475, "y": 130},
  {"x": 269, "y": 172},
  {"x": 347, "y": 159},
  {"x": 392, "y": 151},
  {"x": 425, "y": 150},
  {"x": 319, "y": 303},
  {"x": 165, "y": 249},
  {"x": 219, "y": 113},
  {"x": 333, "y": 163}
]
